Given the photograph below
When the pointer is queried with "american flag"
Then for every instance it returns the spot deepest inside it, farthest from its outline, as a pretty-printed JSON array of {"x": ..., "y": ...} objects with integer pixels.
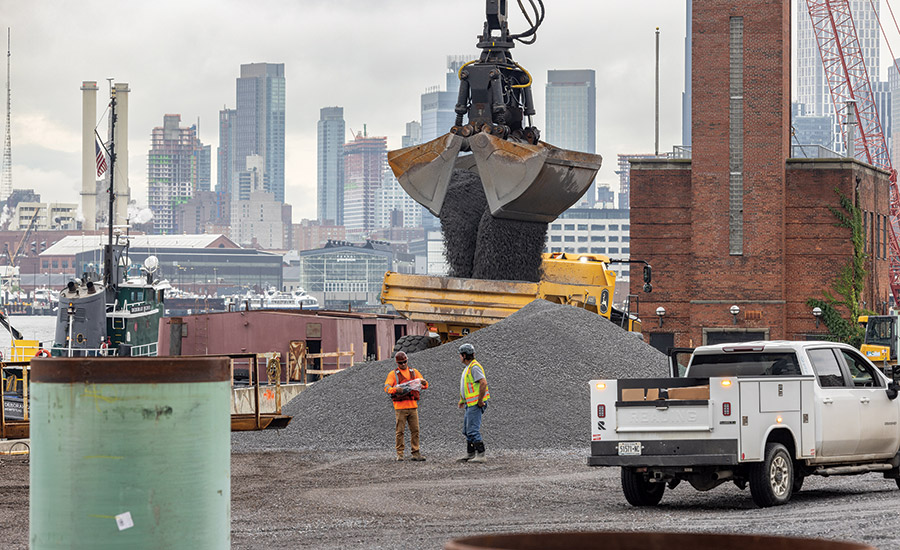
[{"x": 101, "y": 159}]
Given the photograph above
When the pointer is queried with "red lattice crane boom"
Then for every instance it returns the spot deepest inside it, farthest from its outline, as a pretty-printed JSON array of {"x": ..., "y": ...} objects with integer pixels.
[{"x": 848, "y": 79}]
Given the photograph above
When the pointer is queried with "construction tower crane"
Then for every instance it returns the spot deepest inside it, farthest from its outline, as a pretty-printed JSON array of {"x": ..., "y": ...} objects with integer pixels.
[{"x": 848, "y": 79}]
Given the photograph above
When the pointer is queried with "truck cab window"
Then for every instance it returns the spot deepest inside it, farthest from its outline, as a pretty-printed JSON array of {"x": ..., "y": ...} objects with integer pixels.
[
  {"x": 860, "y": 371},
  {"x": 827, "y": 368}
]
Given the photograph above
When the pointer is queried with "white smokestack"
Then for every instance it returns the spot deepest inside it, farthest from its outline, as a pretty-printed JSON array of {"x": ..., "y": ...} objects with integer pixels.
[{"x": 88, "y": 154}]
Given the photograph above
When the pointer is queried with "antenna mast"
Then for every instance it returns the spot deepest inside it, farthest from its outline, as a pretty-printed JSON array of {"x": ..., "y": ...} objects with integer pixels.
[{"x": 6, "y": 176}]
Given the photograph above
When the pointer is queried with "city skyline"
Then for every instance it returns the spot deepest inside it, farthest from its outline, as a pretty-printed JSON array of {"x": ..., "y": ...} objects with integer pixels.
[{"x": 379, "y": 84}]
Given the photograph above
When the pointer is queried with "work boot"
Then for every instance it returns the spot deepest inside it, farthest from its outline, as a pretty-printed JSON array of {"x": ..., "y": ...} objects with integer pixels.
[
  {"x": 399, "y": 458},
  {"x": 417, "y": 457},
  {"x": 479, "y": 453},
  {"x": 470, "y": 452}
]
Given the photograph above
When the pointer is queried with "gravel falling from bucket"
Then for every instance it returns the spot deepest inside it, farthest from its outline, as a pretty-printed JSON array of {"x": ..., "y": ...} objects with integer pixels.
[
  {"x": 460, "y": 215},
  {"x": 508, "y": 250}
]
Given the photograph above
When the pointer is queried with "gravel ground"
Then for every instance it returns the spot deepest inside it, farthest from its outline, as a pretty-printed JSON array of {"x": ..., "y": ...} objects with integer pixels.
[
  {"x": 538, "y": 363},
  {"x": 357, "y": 500}
]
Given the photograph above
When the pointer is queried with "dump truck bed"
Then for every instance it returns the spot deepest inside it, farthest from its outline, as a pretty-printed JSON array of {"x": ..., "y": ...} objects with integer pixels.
[{"x": 454, "y": 300}]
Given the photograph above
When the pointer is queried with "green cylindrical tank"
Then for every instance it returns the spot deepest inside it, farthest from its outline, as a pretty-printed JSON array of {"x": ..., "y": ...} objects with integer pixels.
[{"x": 130, "y": 453}]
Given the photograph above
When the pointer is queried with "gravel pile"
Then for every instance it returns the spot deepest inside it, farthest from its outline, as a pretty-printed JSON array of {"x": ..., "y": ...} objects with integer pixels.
[{"x": 538, "y": 363}]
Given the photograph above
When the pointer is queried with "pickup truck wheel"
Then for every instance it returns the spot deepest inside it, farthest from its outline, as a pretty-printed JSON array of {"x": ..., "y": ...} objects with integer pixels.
[
  {"x": 412, "y": 343},
  {"x": 640, "y": 492},
  {"x": 772, "y": 480}
]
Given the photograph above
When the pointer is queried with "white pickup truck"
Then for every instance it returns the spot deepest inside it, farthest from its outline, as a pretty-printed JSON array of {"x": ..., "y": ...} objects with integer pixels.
[{"x": 766, "y": 414}]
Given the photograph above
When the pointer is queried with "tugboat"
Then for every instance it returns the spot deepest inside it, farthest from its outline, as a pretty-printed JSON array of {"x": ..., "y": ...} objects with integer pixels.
[{"x": 120, "y": 314}]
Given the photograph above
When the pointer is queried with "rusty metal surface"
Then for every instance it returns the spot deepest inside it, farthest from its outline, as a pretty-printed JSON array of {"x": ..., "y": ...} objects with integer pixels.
[
  {"x": 644, "y": 541},
  {"x": 531, "y": 182},
  {"x": 130, "y": 370},
  {"x": 424, "y": 170}
]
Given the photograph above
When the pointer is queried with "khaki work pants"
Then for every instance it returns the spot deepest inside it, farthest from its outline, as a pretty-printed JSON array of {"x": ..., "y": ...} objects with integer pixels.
[{"x": 411, "y": 417}]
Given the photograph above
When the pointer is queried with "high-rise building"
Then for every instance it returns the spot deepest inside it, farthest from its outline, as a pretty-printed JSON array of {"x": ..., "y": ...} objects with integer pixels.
[
  {"x": 571, "y": 114},
  {"x": 365, "y": 160},
  {"x": 259, "y": 122},
  {"x": 812, "y": 86},
  {"x": 390, "y": 200},
  {"x": 438, "y": 114},
  {"x": 331, "y": 130},
  {"x": 204, "y": 175},
  {"x": 810, "y": 130},
  {"x": 894, "y": 86},
  {"x": 571, "y": 111},
  {"x": 225, "y": 151},
  {"x": 413, "y": 135},
  {"x": 258, "y": 221},
  {"x": 882, "y": 92},
  {"x": 173, "y": 172}
]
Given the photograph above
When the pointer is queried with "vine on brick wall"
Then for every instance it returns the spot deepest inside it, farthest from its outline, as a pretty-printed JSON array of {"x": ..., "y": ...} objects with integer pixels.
[{"x": 848, "y": 287}]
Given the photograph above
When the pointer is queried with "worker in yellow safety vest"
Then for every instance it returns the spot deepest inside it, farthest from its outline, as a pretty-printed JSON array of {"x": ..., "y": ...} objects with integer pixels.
[{"x": 473, "y": 397}]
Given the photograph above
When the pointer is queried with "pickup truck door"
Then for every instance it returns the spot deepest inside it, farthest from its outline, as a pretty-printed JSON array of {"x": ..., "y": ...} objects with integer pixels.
[
  {"x": 837, "y": 409},
  {"x": 877, "y": 414},
  {"x": 678, "y": 361}
]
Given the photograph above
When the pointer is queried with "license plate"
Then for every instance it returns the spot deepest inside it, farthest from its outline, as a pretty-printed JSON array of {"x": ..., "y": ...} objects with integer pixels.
[{"x": 630, "y": 448}]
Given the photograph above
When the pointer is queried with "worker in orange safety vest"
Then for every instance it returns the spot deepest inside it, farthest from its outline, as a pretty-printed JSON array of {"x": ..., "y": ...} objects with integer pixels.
[{"x": 405, "y": 404}]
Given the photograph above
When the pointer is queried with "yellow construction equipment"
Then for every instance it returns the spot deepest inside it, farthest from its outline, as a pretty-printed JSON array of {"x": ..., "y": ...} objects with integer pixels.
[
  {"x": 453, "y": 307},
  {"x": 882, "y": 340}
]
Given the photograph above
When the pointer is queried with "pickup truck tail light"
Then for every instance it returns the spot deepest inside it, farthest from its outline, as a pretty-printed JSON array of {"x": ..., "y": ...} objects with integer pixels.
[
  {"x": 726, "y": 409},
  {"x": 601, "y": 411}
]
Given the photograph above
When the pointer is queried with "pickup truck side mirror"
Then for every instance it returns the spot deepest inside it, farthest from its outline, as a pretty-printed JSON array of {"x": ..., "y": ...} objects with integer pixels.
[{"x": 892, "y": 390}]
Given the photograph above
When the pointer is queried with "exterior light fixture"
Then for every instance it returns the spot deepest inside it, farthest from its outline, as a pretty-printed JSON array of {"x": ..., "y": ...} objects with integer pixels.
[
  {"x": 817, "y": 313},
  {"x": 660, "y": 313},
  {"x": 734, "y": 310}
]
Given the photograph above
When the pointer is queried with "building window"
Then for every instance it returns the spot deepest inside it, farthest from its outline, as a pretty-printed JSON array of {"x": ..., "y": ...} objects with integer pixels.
[
  {"x": 570, "y": 227},
  {"x": 613, "y": 250},
  {"x": 596, "y": 227},
  {"x": 596, "y": 250},
  {"x": 614, "y": 228},
  {"x": 626, "y": 227},
  {"x": 736, "y": 138},
  {"x": 555, "y": 238},
  {"x": 570, "y": 238},
  {"x": 556, "y": 249},
  {"x": 598, "y": 239},
  {"x": 613, "y": 239},
  {"x": 582, "y": 250},
  {"x": 582, "y": 239},
  {"x": 582, "y": 227},
  {"x": 626, "y": 250},
  {"x": 626, "y": 239},
  {"x": 556, "y": 226}
]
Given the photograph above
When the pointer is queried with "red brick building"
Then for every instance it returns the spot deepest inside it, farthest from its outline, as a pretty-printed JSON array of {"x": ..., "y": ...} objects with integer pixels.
[{"x": 740, "y": 223}]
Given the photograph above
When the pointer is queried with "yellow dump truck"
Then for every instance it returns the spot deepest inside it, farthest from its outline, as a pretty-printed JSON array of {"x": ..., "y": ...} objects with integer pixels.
[{"x": 454, "y": 307}]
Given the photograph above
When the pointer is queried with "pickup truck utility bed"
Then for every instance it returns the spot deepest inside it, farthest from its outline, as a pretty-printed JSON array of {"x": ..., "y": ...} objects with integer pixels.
[{"x": 763, "y": 414}]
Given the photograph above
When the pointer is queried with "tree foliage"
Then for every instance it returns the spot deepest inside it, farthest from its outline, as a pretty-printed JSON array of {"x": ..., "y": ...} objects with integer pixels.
[{"x": 848, "y": 287}]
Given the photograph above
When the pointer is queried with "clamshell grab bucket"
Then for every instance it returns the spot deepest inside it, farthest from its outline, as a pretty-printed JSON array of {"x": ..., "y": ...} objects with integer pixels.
[
  {"x": 531, "y": 182},
  {"x": 424, "y": 170}
]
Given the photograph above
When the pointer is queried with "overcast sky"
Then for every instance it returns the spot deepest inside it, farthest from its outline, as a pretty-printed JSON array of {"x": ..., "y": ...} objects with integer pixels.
[{"x": 372, "y": 57}]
